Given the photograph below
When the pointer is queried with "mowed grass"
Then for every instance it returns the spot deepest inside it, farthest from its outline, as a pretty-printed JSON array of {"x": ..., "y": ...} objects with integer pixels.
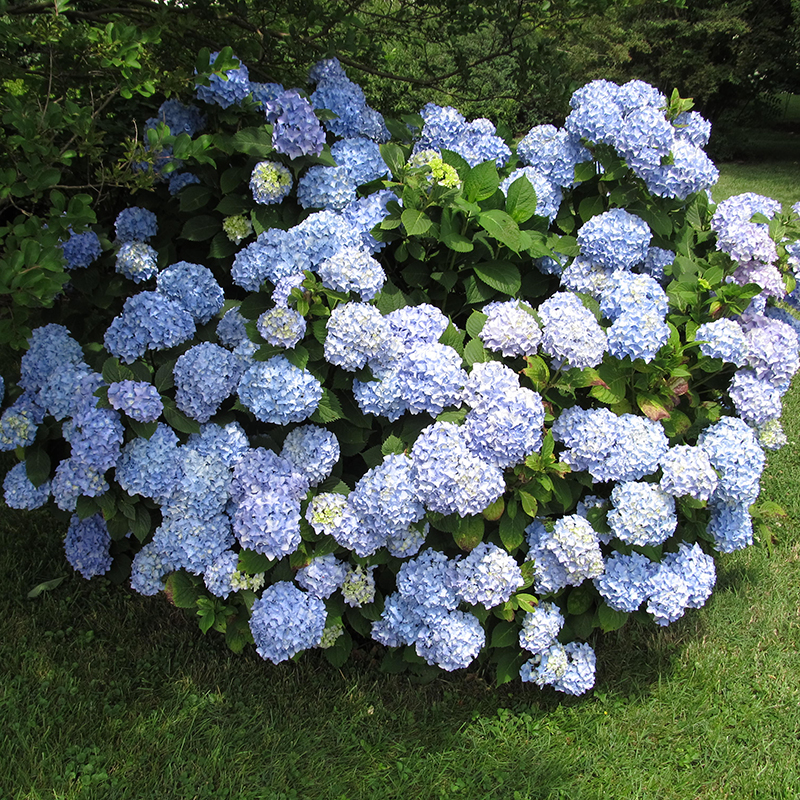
[{"x": 106, "y": 694}]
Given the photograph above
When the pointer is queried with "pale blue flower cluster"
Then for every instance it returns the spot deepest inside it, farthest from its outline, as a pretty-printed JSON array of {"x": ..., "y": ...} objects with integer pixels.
[
  {"x": 205, "y": 376},
  {"x": 87, "y": 546},
  {"x": 135, "y": 225},
  {"x": 296, "y": 131},
  {"x": 353, "y": 269},
  {"x": 358, "y": 587},
  {"x": 540, "y": 628},
  {"x": 488, "y": 576},
  {"x": 150, "y": 467},
  {"x": 282, "y": 326},
  {"x": 615, "y": 239},
  {"x": 322, "y": 576},
  {"x": 194, "y": 287},
  {"x": 643, "y": 514},
  {"x": 326, "y": 187},
  {"x": 730, "y": 524},
  {"x": 20, "y": 493},
  {"x": 270, "y": 182},
  {"x": 139, "y": 400},
  {"x": 510, "y": 329},
  {"x": 313, "y": 452},
  {"x": 756, "y": 401},
  {"x": 451, "y": 641},
  {"x": 625, "y": 582},
  {"x": 567, "y": 668},
  {"x": 772, "y": 349},
  {"x": 81, "y": 249},
  {"x": 738, "y": 236},
  {"x": 137, "y": 261},
  {"x": 262, "y": 93},
  {"x": 179, "y": 118},
  {"x": 570, "y": 332},
  {"x": 361, "y": 158},
  {"x": 682, "y": 580},
  {"x": 277, "y": 391},
  {"x": 180, "y": 180},
  {"x": 226, "y": 90},
  {"x": 475, "y": 142},
  {"x": 337, "y": 93},
  {"x": 356, "y": 333},
  {"x": 723, "y": 338},
  {"x": 553, "y": 152},
  {"x": 231, "y": 329},
  {"x": 285, "y": 621},
  {"x": 687, "y": 471}
]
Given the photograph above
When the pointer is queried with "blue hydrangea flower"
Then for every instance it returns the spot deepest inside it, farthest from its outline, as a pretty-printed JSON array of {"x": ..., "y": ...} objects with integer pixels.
[
  {"x": 646, "y": 137},
  {"x": 625, "y": 293},
  {"x": 81, "y": 249},
  {"x": 217, "y": 576},
  {"x": 734, "y": 452},
  {"x": 771, "y": 435},
  {"x": 407, "y": 542},
  {"x": 553, "y": 152},
  {"x": 313, "y": 451},
  {"x": 149, "y": 321},
  {"x": 401, "y": 621},
  {"x": 668, "y": 595},
  {"x": 615, "y": 239},
  {"x": 150, "y": 467},
  {"x": 356, "y": 332},
  {"x": 50, "y": 349},
  {"x": 361, "y": 158},
  {"x": 656, "y": 262},
  {"x": 540, "y": 628},
  {"x": 266, "y": 493},
  {"x": 723, "y": 338},
  {"x": 180, "y": 180},
  {"x": 150, "y": 567},
  {"x": 228, "y": 89},
  {"x": 139, "y": 400},
  {"x": 693, "y": 127},
  {"x": 689, "y": 171},
  {"x": 687, "y": 470},
  {"x": 285, "y": 621},
  {"x": 643, "y": 514},
  {"x": 489, "y": 380},
  {"x": 20, "y": 493},
  {"x": 193, "y": 543},
  {"x": 772, "y": 349},
  {"x": 596, "y": 115},
  {"x": 585, "y": 276},
  {"x": 452, "y": 642},
  {"x": 137, "y": 261},
  {"x": 194, "y": 287},
  {"x": 358, "y": 588},
  {"x": 231, "y": 329},
  {"x": 570, "y": 332},
  {"x": 738, "y": 236},
  {"x": 63, "y": 390},
  {"x": 511, "y": 329},
  {"x": 282, "y": 326},
  {"x": 639, "y": 333},
  {"x": 74, "y": 478},
  {"x": 697, "y": 570},
  {"x": 326, "y": 187},
  {"x": 730, "y": 524},
  {"x": 296, "y": 131},
  {"x": 574, "y": 545},
  {"x": 352, "y": 269},
  {"x": 277, "y": 391},
  {"x": 625, "y": 582},
  {"x": 87, "y": 546},
  {"x": 756, "y": 401},
  {"x": 205, "y": 376},
  {"x": 135, "y": 225},
  {"x": 270, "y": 182},
  {"x": 567, "y": 668},
  {"x": 488, "y": 576},
  {"x": 364, "y": 213},
  {"x": 180, "y": 118},
  {"x": 322, "y": 576},
  {"x": 429, "y": 581},
  {"x": 449, "y": 476}
]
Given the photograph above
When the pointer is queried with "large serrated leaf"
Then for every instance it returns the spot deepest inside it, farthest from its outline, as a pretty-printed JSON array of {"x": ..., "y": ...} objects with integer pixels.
[
  {"x": 200, "y": 228},
  {"x": 328, "y": 410},
  {"x": 504, "y": 634},
  {"x": 253, "y": 142},
  {"x": 502, "y": 276},
  {"x": 37, "y": 464},
  {"x": 475, "y": 353},
  {"x": 481, "y": 182},
  {"x": 182, "y": 590},
  {"x": 394, "y": 157},
  {"x": 611, "y": 619},
  {"x": 393, "y": 445},
  {"x": 193, "y": 198},
  {"x": 499, "y": 225},
  {"x": 475, "y": 323},
  {"x": 415, "y": 222},
  {"x": 521, "y": 200}
]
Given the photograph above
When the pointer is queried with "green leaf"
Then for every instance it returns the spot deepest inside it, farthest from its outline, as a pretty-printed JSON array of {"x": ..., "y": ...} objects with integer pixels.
[
  {"x": 505, "y": 634},
  {"x": 415, "y": 222},
  {"x": 509, "y": 660},
  {"x": 529, "y": 503},
  {"x": 328, "y": 410},
  {"x": 339, "y": 652},
  {"x": 393, "y": 445},
  {"x": 457, "y": 242},
  {"x": 164, "y": 380},
  {"x": 502, "y": 227},
  {"x": 512, "y": 531},
  {"x": 37, "y": 464},
  {"x": 86, "y": 507},
  {"x": 193, "y": 198},
  {"x": 475, "y": 353},
  {"x": 113, "y": 371},
  {"x": 455, "y": 160},
  {"x": 481, "y": 182},
  {"x": 580, "y": 598},
  {"x": 253, "y": 563},
  {"x": 181, "y": 590},
  {"x": 45, "y": 586},
  {"x": 394, "y": 157},
  {"x": 500, "y": 275},
  {"x": 521, "y": 200},
  {"x": 469, "y": 532},
  {"x": 611, "y": 619},
  {"x": 475, "y": 323},
  {"x": 585, "y": 171},
  {"x": 142, "y": 523},
  {"x": 253, "y": 142},
  {"x": 179, "y": 421},
  {"x": 537, "y": 372},
  {"x": 200, "y": 228}
]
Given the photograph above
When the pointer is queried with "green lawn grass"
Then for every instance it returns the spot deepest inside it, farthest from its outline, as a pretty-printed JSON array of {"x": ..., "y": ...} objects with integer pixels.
[{"x": 106, "y": 694}]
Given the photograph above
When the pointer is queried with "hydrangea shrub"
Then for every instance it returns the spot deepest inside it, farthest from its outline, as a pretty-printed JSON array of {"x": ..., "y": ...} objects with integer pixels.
[{"x": 409, "y": 382}]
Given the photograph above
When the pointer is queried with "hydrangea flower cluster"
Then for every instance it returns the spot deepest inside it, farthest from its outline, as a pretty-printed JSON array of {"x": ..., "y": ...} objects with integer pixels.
[
  {"x": 225, "y": 91},
  {"x": 81, "y": 249},
  {"x": 270, "y": 182},
  {"x": 295, "y": 128}
]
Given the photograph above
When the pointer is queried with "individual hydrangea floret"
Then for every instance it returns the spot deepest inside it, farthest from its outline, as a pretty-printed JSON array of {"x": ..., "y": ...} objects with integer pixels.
[
  {"x": 87, "y": 546},
  {"x": 450, "y": 478},
  {"x": 81, "y": 249},
  {"x": 194, "y": 287},
  {"x": 615, "y": 239},
  {"x": 643, "y": 514},
  {"x": 511, "y": 329},
  {"x": 282, "y": 326},
  {"x": 540, "y": 628},
  {"x": 137, "y": 261},
  {"x": 625, "y": 582},
  {"x": 686, "y": 471},
  {"x": 139, "y": 400},
  {"x": 285, "y": 621},
  {"x": 279, "y": 392},
  {"x": 228, "y": 89},
  {"x": 270, "y": 182},
  {"x": 570, "y": 332},
  {"x": 488, "y": 576},
  {"x": 20, "y": 493},
  {"x": 135, "y": 225},
  {"x": 313, "y": 451}
]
